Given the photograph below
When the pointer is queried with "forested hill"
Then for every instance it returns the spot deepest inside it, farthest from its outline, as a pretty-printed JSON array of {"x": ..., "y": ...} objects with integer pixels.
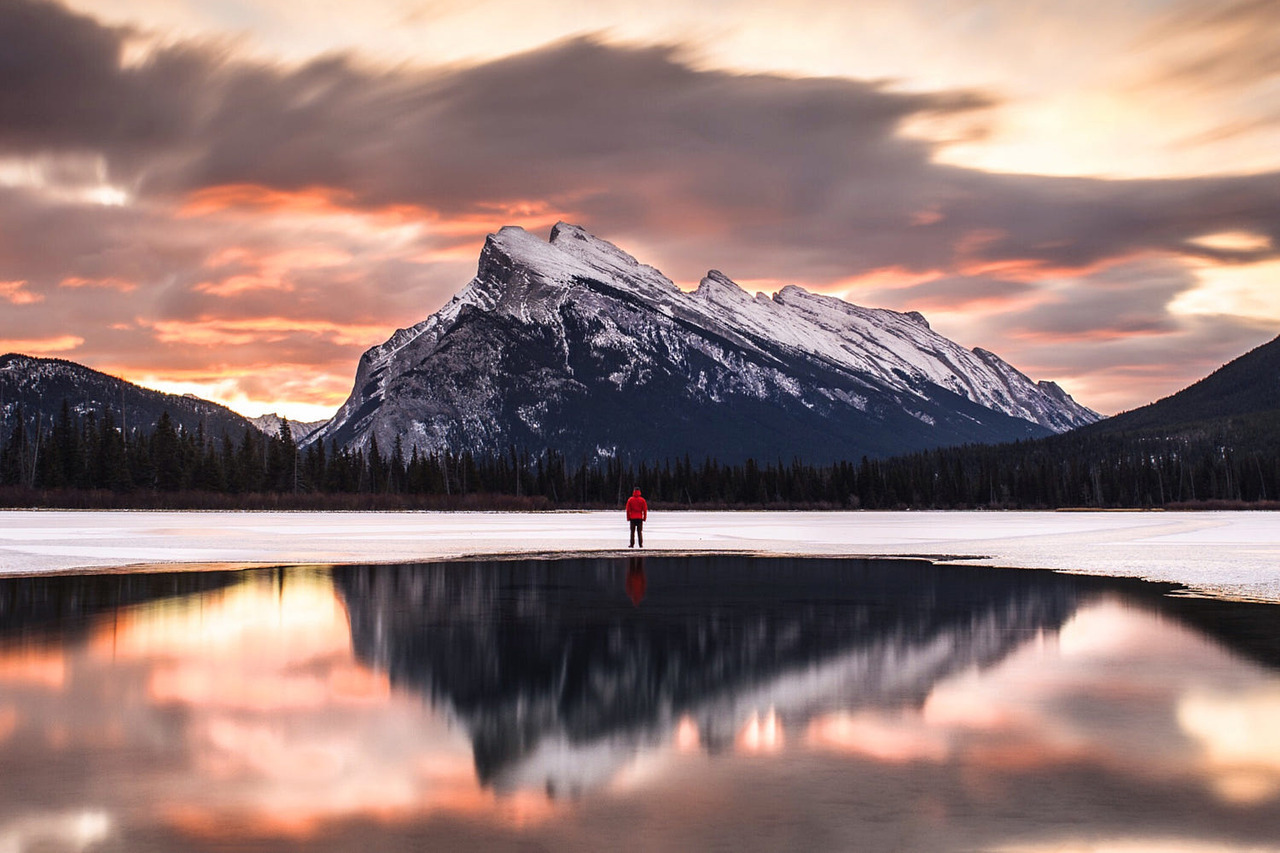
[
  {"x": 1249, "y": 384},
  {"x": 1217, "y": 440},
  {"x": 34, "y": 390}
]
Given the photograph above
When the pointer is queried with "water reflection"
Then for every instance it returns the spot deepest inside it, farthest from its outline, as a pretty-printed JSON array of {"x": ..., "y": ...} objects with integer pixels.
[
  {"x": 667, "y": 703},
  {"x": 636, "y": 581},
  {"x": 559, "y": 681}
]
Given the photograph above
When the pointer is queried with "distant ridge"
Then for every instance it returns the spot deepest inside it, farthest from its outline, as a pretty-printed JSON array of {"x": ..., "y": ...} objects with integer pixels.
[
  {"x": 299, "y": 430},
  {"x": 38, "y": 386},
  {"x": 1246, "y": 385}
]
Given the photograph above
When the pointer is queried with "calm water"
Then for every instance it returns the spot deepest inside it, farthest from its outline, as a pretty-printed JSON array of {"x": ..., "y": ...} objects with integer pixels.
[{"x": 708, "y": 703}]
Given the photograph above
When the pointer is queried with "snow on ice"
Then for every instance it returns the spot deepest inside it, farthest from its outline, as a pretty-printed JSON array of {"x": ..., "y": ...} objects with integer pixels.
[{"x": 1233, "y": 554}]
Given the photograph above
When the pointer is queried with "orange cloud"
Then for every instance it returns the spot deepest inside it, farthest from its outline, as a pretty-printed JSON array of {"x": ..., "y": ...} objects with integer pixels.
[
  {"x": 212, "y": 332},
  {"x": 972, "y": 260},
  {"x": 209, "y": 686},
  {"x": 885, "y": 278},
  {"x": 451, "y": 254},
  {"x": 298, "y": 390},
  {"x": 270, "y": 271},
  {"x": 1044, "y": 336},
  {"x": 319, "y": 202},
  {"x": 260, "y": 199},
  {"x": 283, "y": 725},
  {"x": 41, "y": 346},
  {"x": 16, "y": 293}
]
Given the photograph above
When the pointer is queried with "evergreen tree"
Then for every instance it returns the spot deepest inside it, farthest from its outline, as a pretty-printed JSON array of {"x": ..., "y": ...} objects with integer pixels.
[{"x": 166, "y": 455}]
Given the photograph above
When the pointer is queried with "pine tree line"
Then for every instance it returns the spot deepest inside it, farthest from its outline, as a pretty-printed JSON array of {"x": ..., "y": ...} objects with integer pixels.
[{"x": 1238, "y": 462}]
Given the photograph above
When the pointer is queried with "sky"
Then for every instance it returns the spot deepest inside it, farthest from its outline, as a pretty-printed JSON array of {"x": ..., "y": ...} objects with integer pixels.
[{"x": 236, "y": 199}]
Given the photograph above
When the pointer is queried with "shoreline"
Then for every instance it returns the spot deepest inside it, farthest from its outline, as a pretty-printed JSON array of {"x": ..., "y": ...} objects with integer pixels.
[{"x": 1222, "y": 554}]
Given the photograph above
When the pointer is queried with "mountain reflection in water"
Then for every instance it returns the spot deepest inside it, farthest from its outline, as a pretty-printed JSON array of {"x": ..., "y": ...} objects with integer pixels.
[
  {"x": 647, "y": 702},
  {"x": 559, "y": 679}
]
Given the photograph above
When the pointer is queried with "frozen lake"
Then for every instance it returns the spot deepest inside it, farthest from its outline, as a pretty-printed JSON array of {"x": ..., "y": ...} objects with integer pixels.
[{"x": 1224, "y": 553}]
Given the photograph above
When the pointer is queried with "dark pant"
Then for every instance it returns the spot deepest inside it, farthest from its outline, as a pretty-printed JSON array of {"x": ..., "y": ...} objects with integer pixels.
[{"x": 637, "y": 530}]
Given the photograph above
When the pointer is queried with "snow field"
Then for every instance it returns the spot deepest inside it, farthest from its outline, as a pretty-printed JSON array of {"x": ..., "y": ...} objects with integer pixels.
[{"x": 1235, "y": 554}]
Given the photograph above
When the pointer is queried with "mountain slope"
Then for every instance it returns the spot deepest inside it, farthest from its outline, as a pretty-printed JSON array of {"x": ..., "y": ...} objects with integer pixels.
[
  {"x": 575, "y": 346},
  {"x": 37, "y": 387},
  {"x": 1248, "y": 385}
]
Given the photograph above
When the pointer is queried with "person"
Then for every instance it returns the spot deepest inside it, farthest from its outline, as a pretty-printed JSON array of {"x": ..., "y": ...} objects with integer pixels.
[{"x": 637, "y": 512}]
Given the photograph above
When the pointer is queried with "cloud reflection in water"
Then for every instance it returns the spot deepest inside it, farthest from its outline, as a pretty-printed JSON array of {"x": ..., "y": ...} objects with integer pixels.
[{"x": 764, "y": 703}]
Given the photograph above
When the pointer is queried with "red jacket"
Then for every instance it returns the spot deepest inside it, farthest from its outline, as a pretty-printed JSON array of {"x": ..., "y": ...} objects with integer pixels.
[{"x": 636, "y": 507}]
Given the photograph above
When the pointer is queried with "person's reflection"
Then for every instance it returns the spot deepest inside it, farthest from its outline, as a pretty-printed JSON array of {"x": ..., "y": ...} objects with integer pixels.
[{"x": 635, "y": 580}]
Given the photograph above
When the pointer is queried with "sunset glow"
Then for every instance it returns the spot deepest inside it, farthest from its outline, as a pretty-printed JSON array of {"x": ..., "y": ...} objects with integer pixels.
[{"x": 1090, "y": 190}]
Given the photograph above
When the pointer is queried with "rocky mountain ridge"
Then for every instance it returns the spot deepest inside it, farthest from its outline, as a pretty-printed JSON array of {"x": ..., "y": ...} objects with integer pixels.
[{"x": 575, "y": 346}]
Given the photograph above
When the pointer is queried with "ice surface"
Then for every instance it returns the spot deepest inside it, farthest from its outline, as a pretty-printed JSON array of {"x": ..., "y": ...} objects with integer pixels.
[{"x": 1223, "y": 553}]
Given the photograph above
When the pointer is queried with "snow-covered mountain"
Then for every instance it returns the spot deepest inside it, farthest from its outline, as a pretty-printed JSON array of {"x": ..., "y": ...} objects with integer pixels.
[
  {"x": 270, "y": 424},
  {"x": 575, "y": 345}
]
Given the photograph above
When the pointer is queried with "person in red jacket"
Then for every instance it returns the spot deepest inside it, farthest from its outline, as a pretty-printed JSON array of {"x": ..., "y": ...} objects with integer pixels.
[{"x": 637, "y": 512}]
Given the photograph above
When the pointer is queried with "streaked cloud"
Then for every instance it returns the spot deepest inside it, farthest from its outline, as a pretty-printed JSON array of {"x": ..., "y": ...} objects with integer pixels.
[
  {"x": 109, "y": 283},
  {"x": 42, "y": 346},
  {"x": 167, "y": 195}
]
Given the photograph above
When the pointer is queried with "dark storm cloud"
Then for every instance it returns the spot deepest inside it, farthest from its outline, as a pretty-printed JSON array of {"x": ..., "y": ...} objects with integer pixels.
[{"x": 772, "y": 176}]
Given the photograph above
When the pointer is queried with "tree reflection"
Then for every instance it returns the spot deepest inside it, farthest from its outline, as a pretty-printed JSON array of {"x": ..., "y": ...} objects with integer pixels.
[{"x": 541, "y": 660}]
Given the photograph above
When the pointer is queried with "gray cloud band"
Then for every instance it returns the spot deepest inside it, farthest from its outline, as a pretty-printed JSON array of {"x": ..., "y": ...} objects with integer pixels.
[
  {"x": 813, "y": 173},
  {"x": 771, "y": 177}
]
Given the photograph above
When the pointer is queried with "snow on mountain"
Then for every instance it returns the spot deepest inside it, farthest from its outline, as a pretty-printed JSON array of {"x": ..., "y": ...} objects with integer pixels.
[
  {"x": 573, "y": 344},
  {"x": 270, "y": 424},
  {"x": 35, "y": 388}
]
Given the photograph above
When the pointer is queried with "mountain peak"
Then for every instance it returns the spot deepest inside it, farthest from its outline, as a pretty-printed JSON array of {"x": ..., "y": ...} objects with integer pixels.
[
  {"x": 715, "y": 277},
  {"x": 562, "y": 231},
  {"x": 513, "y": 254},
  {"x": 572, "y": 344},
  {"x": 606, "y": 259},
  {"x": 717, "y": 284},
  {"x": 581, "y": 243}
]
